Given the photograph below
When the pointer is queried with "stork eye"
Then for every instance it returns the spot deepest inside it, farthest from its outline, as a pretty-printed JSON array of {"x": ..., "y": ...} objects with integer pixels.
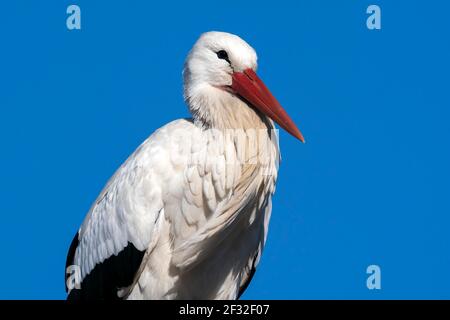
[{"x": 222, "y": 54}]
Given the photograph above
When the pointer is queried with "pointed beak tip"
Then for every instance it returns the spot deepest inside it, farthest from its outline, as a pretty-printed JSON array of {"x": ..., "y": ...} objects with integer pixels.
[
  {"x": 301, "y": 138},
  {"x": 294, "y": 131}
]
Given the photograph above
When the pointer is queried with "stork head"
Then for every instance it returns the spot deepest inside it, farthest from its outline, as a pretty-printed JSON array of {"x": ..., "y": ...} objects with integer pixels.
[{"x": 222, "y": 66}]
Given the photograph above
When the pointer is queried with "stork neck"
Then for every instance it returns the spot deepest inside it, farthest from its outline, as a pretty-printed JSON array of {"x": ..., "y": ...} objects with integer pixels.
[{"x": 217, "y": 109}]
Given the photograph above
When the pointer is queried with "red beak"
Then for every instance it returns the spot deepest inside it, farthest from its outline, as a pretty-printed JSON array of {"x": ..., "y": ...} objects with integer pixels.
[{"x": 250, "y": 87}]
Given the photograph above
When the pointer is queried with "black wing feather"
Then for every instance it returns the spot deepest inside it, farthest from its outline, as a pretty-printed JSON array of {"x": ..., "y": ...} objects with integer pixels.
[
  {"x": 249, "y": 278},
  {"x": 102, "y": 283}
]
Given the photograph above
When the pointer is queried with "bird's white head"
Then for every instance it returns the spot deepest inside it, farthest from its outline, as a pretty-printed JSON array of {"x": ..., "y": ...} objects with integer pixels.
[{"x": 220, "y": 72}]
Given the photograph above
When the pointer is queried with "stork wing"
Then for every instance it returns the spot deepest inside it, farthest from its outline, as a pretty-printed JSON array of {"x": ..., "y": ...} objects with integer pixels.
[{"x": 122, "y": 224}]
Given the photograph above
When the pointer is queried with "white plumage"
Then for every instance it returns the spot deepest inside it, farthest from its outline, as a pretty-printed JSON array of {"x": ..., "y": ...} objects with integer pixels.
[{"x": 194, "y": 200}]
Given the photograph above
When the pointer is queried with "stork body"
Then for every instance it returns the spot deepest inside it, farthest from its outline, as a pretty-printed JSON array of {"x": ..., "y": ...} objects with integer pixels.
[{"x": 186, "y": 216}]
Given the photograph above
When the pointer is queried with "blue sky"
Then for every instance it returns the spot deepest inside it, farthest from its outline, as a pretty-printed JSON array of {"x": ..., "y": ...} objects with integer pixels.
[{"x": 371, "y": 186}]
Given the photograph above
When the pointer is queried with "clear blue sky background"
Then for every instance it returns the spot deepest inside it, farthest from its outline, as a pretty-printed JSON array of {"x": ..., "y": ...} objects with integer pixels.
[{"x": 371, "y": 186}]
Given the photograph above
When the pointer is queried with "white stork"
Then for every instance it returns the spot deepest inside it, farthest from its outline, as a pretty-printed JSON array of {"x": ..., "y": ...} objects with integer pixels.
[{"x": 186, "y": 216}]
